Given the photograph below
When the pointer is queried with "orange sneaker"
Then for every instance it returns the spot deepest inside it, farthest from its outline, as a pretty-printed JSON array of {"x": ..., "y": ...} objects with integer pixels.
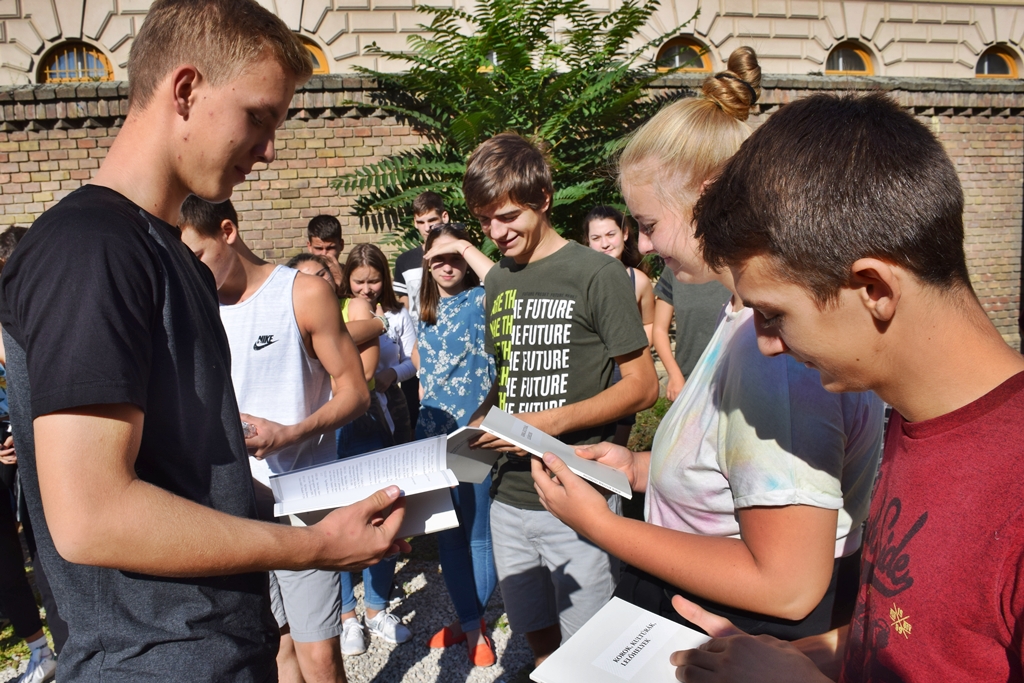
[
  {"x": 446, "y": 637},
  {"x": 483, "y": 653}
]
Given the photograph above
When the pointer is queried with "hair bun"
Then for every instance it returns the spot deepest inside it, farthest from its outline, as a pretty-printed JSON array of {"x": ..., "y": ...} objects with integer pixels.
[{"x": 737, "y": 88}]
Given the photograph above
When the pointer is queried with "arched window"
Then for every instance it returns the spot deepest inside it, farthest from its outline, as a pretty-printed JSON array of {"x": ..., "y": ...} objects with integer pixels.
[
  {"x": 75, "y": 63},
  {"x": 849, "y": 59},
  {"x": 996, "y": 62},
  {"x": 683, "y": 54},
  {"x": 320, "y": 64}
]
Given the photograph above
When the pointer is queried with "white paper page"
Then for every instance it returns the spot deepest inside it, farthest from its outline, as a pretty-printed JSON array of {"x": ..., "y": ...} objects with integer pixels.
[
  {"x": 425, "y": 513},
  {"x": 622, "y": 642},
  {"x": 532, "y": 440},
  {"x": 328, "y": 485},
  {"x": 421, "y": 483},
  {"x": 470, "y": 465}
]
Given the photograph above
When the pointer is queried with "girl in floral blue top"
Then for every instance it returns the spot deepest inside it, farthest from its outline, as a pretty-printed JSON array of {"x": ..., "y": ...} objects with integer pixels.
[{"x": 455, "y": 375}]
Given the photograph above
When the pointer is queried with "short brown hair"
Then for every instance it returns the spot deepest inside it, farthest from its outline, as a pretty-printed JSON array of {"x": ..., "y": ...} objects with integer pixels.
[
  {"x": 507, "y": 167},
  {"x": 220, "y": 37},
  {"x": 829, "y": 180},
  {"x": 206, "y": 217},
  {"x": 426, "y": 202}
]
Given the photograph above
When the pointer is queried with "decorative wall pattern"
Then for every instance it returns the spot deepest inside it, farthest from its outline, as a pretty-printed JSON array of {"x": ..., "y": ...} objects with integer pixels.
[{"x": 910, "y": 39}]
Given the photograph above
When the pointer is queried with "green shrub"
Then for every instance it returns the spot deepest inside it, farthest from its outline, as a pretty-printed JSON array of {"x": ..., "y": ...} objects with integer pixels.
[{"x": 553, "y": 70}]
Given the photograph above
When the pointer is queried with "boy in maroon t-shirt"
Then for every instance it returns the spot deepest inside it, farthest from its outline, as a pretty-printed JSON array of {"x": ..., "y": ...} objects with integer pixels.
[{"x": 841, "y": 219}]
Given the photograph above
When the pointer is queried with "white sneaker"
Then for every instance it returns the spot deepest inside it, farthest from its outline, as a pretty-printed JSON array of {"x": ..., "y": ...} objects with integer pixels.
[
  {"x": 387, "y": 626},
  {"x": 353, "y": 641},
  {"x": 42, "y": 667}
]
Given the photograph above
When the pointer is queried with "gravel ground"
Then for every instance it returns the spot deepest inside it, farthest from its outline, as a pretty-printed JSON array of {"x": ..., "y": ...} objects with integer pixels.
[{"x": 425, "y": 609}]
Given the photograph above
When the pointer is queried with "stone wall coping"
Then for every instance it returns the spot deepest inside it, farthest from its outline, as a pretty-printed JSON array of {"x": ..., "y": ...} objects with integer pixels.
[{"x": 359, "y": 83}]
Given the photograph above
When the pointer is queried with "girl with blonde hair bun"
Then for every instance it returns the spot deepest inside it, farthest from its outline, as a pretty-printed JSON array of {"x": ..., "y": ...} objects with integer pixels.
[{"x": 759, "y": 479}]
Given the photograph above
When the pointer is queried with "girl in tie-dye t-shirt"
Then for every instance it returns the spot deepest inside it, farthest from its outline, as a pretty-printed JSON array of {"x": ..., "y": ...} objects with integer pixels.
[{"x": 759, "y": 479}]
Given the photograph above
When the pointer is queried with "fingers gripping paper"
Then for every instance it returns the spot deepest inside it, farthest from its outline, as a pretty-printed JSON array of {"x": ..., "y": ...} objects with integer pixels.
[
  {"x": 532, "y": 440},
  {"x": 604, "y": 651}
]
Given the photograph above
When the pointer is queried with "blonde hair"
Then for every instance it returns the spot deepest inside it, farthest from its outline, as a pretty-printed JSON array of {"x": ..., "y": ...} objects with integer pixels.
[
  {"x": 691, "y": 139},
  {"x": 220, "y": 37}
]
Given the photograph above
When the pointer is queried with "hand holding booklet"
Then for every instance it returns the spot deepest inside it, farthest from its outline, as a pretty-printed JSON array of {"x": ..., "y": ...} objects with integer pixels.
[
  {"x": 622, "y": 642},
  {"x": 419, "y": 469},
  {"x": 513, "y": 430}
]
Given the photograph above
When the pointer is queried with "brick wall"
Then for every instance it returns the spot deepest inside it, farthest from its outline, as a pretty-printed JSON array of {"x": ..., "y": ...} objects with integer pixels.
[{"x": 52, "y": 138}]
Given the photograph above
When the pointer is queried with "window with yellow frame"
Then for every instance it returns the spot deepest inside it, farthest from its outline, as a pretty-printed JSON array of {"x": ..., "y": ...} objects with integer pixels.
[
  {"x": 320, "y": 64},
  {"x": 75, "y": 63},
  {"x": 996, "y": 62},
  {"x": 685, "y": 55},
  {"x": 849, "y": 59}
]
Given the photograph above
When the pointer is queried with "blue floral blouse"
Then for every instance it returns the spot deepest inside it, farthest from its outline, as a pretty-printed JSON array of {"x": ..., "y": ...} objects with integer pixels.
[{"x": 455, "y": 371}]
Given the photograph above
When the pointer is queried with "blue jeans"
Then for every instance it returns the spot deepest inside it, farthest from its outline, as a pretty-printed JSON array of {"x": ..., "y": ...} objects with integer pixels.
[
  {"x": 376, "y": 587},
  {"x": 368, "y": 432},
  {"x": 467, "y": 560}
]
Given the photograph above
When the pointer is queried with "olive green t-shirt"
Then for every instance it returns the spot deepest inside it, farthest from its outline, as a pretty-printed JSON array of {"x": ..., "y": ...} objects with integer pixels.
[{"x": 554, "y": 327}]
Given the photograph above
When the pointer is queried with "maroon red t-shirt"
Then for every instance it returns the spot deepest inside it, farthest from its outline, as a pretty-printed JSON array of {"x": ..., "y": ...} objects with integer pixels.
[{"x": 942, "y": 579}]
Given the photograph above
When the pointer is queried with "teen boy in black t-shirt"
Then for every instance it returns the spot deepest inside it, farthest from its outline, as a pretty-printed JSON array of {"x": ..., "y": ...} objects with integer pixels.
[{"x": 134, "y": 462}]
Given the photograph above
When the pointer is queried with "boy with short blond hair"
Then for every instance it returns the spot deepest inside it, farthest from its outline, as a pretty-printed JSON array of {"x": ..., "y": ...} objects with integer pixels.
[
  {"x": 131, "y": 448},
  {"x": 841, "y": 219},
  {"x": 560, "y": 316}
]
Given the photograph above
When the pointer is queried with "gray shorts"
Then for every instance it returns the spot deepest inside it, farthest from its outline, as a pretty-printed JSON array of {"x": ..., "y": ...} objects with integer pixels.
[
  {"x": 548, "y": 573},
  {"x": 309, "y": 602}
]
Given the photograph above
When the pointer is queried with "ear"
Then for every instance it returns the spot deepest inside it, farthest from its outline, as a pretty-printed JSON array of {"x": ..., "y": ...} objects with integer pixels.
[
  {"x": 184, "y": 80},
  {"x": 547, "y": 204},
  {"x": 228, "y": 231},
  {"x": 444, "y": 217},
  {"x": 879, "y": 287}
]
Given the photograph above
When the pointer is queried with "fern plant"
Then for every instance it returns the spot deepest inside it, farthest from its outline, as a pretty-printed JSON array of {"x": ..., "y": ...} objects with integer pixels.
[{"x": 553, "y": 70}]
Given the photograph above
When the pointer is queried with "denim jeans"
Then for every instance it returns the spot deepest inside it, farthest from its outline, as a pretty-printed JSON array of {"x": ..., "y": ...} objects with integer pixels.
[
  {"x": 367, "y": 433},
  {"x": 467, "y": 560},
  {"x": 376, "y": 587}
]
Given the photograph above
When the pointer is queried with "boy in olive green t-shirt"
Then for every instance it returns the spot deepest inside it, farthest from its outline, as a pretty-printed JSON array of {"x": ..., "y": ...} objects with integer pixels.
[{"x": 559, "y": 316}]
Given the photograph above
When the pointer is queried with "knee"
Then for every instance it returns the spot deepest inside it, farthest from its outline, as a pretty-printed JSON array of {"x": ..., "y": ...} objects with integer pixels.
[{"x": 320, "y": 660}]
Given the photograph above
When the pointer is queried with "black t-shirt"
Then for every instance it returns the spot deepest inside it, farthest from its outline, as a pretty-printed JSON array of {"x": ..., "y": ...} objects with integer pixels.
[
  {"x": 408, "y": 278},
  {"x": 102, "y": 303}
]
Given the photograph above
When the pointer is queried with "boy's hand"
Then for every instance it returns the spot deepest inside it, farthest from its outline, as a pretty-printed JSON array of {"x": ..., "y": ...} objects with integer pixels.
[
  {"x": 269, "y": 437},
  {"x": 568, "y": 497},
  {"x": 7, "y": 454},
  {"x": 619, "y": 457},
  {"x": 360, "y": 535},
  {"x": 732, "y": 655}
]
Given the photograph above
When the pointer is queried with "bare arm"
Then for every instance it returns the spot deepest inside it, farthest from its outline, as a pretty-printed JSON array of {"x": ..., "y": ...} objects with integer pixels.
[
  {"x": 645, "y": 302},
  {"x": 364, "y": 331},
  {"x": 477, "y": 260},
  {"x": 663, "y": 312},
  {"x": 100, "y": 513},
  {"x": 781, "y": 565},
  {"x": 319, "y": 321},
  {"x": 369, "y": 351}
]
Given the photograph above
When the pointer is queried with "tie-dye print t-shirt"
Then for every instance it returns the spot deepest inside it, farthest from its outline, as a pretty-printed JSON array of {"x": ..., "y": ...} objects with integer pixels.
[{"x": 749, "y": 431}]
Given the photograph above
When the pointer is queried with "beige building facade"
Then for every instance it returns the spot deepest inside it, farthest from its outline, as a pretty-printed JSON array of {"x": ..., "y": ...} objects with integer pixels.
[{"x": 52, "y": 40}]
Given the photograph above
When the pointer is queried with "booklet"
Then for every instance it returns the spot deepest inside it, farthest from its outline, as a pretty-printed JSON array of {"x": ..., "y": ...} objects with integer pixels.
[
  {"x": 622, "y": 642},
  {"x": 418, "y": 468},
  {"x": 471, "y": 465},
  {"x": 532, "y": 440}
]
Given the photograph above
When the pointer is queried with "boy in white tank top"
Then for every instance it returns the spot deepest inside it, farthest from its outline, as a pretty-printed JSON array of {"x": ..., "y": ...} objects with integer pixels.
[{"x": 289, "y": 350}]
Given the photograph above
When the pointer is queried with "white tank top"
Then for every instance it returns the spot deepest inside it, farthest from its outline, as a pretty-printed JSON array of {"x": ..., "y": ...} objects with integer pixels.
[{"x": 273, "y": 375}]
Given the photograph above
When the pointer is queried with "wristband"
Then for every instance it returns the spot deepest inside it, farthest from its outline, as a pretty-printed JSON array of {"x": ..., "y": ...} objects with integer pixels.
[{"x": 384, "y": 321}]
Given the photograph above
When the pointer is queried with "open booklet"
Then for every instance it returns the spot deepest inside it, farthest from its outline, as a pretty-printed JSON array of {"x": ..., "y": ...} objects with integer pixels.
[
  {"x": 532, "y": 440},
  {"x": 622, "y": 642},
  {"x": 418, "y": 468}
]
